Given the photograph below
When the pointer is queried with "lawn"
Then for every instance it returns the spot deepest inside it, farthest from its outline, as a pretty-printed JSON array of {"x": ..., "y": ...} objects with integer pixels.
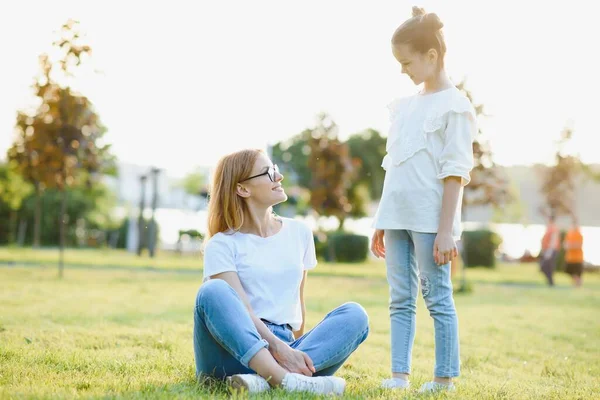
[
  {"x": 106, "y": 333},
  {"x": 99, "y": 258}
]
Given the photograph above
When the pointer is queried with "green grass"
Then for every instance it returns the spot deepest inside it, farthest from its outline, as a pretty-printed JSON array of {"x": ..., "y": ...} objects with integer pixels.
[
  {"x": 128, "y": 334},
  {"x": 100, "y": 257}
]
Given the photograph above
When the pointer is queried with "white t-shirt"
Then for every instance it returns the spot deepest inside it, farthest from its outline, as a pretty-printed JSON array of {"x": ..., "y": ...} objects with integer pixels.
[
  {"x": 270, "y": 269},
  {"x": 430, "y": 138}
]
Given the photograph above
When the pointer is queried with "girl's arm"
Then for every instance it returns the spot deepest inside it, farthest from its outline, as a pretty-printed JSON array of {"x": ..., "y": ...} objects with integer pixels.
[
  {"x": 445, "y": 247},
  {"x": 456, "y": 163}
]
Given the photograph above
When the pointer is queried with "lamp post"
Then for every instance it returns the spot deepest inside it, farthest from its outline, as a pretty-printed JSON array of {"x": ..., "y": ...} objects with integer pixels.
[
  {"x": 141, "y": 225},
  {"x": 153, "y": 228}
]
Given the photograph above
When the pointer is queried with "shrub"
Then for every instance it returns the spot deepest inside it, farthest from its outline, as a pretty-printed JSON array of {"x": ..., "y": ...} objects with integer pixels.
[{"x": 479, "y": 248}]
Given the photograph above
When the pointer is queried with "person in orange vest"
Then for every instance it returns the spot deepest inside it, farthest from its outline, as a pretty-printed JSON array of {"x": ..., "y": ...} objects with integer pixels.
[
  {"x": 549, "y": 251},
  {"x": 573, "y": 245}
]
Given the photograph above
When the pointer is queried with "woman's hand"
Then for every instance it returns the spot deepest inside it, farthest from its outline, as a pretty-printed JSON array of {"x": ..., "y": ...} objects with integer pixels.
[
  {"x": 293, "y": 360},
  {"x": 444, "y": 248},
  {"x": 377, "y": 245}
]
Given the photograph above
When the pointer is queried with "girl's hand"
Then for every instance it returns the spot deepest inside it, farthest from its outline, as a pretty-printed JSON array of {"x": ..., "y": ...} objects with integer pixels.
[
  {"x": 377, "y": 245},
  {"x": 444, "y": 248}
]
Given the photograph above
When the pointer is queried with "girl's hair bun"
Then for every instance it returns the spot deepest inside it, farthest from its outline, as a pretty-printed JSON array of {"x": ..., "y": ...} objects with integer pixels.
[
  {"x": 429, "y": 20},
  {"x": 432, "y": 21},
  {"x": 418, "y": 11}
]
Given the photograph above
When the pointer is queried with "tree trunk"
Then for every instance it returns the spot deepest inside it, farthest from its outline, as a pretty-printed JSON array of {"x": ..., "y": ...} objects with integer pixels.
[
  {"x": 463, "y": 270},
  {"x": 141, "y": 221},
  {"x": 62, "y": 222},
  {"x": 341, "y": 225},
  {"x": 151, "y": 240},
  {"x": 22, "y": 231},
  {"x": 37, "y": 216},
  {"x": 12, "y": 227}
]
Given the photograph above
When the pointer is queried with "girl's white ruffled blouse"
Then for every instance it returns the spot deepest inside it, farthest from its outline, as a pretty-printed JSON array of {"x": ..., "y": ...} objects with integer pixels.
[{"x": 430, "y": 138}]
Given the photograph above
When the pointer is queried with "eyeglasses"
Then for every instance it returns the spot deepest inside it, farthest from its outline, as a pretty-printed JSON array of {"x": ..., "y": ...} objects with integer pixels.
[{"x": 270, "y": 172}]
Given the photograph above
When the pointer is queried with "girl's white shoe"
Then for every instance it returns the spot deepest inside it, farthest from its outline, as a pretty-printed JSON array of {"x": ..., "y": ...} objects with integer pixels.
[{"x": 395, "y": 383}]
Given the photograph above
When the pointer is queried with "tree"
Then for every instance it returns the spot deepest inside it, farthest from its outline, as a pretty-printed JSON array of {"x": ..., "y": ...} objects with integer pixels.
[
  {"x": 29, "y": 151},
  {"x": 558, "y": 181},
  {"x": 591, "y": 171},
  {"x": 487, "y": 186},
  {"x": 515, "y": 212},
  {"x": 89, "y": 211},
  {"x": 332, "y": 171},
  {"x": 292, "y": 157},
  {"x": 59, "y": 145},
  {"x": 368, "y": 146},
  {"x": 13, "y": 190},
  {"x": 367, "y": 149},
  {"x": 194, "y": 183}
]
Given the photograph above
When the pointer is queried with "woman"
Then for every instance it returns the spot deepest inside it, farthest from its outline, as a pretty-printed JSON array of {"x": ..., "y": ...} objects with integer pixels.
[{"x": 250, "y": 313}]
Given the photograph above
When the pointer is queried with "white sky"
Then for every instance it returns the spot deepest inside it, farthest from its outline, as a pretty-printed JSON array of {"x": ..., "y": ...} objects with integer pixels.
[{"x": 184, "y": 82}]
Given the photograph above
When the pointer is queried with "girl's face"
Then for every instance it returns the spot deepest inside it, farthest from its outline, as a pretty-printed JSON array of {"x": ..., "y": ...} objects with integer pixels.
[{"x": 419, "y": 67}]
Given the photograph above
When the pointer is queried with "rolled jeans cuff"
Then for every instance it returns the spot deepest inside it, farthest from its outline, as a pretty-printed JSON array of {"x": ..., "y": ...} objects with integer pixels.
[{"x": 252, "y": 352}]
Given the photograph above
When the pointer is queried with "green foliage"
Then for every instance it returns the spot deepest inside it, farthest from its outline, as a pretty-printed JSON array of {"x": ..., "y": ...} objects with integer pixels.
[
  {"x": 92, "y": 205},
  {"x": 339, "y": 246},
  {"x": 479, "y": 248},
  {"x": 13, "y": 188},
  {"x": 292, "y": 158},
  {"x": 368, "y": 147},
  {"x": 320, "y": 239},
  {"x": 332, "y": 171},
  {"x": 194, "y": 183},
  {"x": 358, "y": 196},
  {"x": 192, "y": 233},
  {"x": 342, "y": 177}
]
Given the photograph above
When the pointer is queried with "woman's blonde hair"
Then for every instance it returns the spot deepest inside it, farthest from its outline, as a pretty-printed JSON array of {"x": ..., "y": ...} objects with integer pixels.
[{"x": 225, "y": 208}]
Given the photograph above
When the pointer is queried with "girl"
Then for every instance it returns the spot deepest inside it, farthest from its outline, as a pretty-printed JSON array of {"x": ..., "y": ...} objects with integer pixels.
[
  {"x": 428, "y": 161},
  {"x": 249, "y": 317}
]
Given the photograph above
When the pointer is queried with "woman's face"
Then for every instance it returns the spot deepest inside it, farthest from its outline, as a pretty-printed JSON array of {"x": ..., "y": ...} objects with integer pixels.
[{"x": 264, "y": 184}]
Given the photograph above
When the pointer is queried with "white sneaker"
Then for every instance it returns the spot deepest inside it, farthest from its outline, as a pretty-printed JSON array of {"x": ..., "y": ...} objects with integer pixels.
[
  {"x": 437, "y": 387},
  {"x": 313, "y": 384},
  {"x": 395, "y": 383},
  {"x": 251, "y": 383}
]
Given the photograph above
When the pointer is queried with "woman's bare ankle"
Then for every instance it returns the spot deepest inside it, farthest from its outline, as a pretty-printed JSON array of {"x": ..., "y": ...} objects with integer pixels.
[
  {"x": 265, "y": 365},
  {"x": 442, "y": 380}
]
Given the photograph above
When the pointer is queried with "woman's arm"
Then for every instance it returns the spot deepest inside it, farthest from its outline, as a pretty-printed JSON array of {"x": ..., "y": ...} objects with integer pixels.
[
  {"x": 290, "y": 359},
  {"x": 233, "y": 280},
  {"x": 300, "y": 331}
]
